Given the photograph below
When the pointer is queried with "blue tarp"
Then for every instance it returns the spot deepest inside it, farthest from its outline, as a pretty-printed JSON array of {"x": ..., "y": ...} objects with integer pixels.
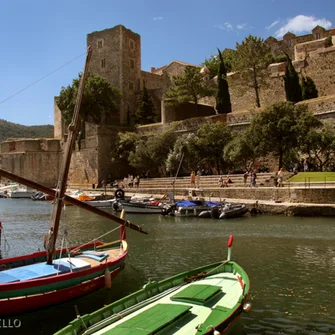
[{"x": 188, "y": 203}]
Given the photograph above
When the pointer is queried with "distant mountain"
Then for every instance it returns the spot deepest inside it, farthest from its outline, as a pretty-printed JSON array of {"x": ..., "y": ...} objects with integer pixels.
[{"x": 14, "y": 130}]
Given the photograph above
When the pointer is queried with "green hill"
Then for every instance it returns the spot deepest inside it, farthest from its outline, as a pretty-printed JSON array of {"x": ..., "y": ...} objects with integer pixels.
[{"x": 14, "y": 130}]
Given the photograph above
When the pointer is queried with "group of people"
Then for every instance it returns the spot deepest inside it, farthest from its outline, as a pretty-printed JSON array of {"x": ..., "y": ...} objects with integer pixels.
[
  {"x": 252, "y": 175},
  {"x": 131, "y": 181}
]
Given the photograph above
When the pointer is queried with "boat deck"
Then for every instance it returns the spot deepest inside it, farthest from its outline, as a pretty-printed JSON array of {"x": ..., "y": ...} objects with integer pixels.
[
  {"x": 83, "y": 261},
  {"x": 181, "y": 310}
]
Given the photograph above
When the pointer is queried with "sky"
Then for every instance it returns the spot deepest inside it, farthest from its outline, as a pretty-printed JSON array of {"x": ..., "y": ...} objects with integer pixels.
[{"x": 44, "y": 41}]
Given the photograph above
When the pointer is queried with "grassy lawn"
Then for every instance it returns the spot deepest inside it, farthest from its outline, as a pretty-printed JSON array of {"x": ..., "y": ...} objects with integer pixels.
[{"x": 312, "y": 177}]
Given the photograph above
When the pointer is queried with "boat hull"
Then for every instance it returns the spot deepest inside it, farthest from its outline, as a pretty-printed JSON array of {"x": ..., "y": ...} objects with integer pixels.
[
  {"x": 25, "y": 295},
  {"x": 29, "y": 303},
  {"x": 134, "y": 208}
]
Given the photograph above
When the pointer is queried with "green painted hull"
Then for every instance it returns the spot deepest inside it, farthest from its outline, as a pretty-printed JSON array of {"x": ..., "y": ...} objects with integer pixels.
[{"x": 167, "y": 306}]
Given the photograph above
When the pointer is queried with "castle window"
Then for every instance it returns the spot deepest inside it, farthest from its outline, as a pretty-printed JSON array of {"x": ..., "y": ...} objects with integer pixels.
[
  {"x": 102, "y": 63},
  {"x": 131, "y": 45},
  {"x": 289, "y": 43},
  {"x": 317, "y": 36},
  {"x": 100, "y": 44},
  {"x": 131, "y": 85},
  {"x": 132, "y": 64}
]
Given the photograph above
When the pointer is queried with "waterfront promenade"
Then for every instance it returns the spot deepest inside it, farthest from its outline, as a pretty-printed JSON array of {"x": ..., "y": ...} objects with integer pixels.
[{"x": 303, "y": 198}]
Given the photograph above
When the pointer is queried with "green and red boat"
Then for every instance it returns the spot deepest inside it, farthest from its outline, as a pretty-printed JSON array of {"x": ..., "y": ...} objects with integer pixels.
[
  {"x": 28, "y": 282},
  {"x": 206, "y": 300}
]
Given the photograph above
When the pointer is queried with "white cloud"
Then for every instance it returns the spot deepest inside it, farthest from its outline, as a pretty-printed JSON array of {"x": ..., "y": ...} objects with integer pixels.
[
  {"x": 226, "y": 26},
  {"x": 274, "y": 23},
  {"x": 158, "y": 18},
  {"x": 302, "y": 24},
  {"x": 241, "y": 26}
]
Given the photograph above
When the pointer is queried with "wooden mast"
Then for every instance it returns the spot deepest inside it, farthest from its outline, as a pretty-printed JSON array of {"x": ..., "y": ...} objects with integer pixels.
[{"x": 61, "y": 187}]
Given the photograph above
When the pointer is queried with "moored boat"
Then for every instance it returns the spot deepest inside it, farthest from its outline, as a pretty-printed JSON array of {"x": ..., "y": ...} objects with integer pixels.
[
  {"x": 205, "y": 300},
  {"x": 225, "y": 211}
]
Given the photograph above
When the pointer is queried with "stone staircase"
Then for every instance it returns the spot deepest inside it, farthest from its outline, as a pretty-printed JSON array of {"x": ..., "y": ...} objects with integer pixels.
[{"x": 182, "y": 184}]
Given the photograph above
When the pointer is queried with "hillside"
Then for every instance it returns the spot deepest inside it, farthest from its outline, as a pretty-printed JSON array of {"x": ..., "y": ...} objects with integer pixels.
[{"x": 14, "y": 130}]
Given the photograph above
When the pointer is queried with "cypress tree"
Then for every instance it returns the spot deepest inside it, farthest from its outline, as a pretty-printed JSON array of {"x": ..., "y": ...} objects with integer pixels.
[
  {"x": 291, "y": 81},
  {"x": 145, "y": 112},
  {"x": 223, "y": 104},
  {"x": 308, "y": 87}
]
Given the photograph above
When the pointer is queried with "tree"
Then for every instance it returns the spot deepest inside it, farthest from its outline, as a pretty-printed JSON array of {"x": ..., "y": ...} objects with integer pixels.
[
  {"x": 213, "y": 62},
  {"x": 281, "y": 127},
  {"x": 186, "y": 147},
  {"x": 291, "y": 82},
  {"x": 212, "y": 140},
  {"x": 151, "y": 152},
  {"x": 125, "y": 144},
  {"x": 188, "y": 87},
  {"x": 100, "y": 102},
  {"x": 308, "y": 88},
  {"x": 320, "y": 144},
  {"x": 239, "y": 151},
  {"x": 145, "y": 112},
  {"x": 223, "y": 104},
  {"x": 251, "y": 59}
]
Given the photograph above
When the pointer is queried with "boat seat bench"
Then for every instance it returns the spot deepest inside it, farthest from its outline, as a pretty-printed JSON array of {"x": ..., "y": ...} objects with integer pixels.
[
  {"x": 151, "y": 320},
  {"x": 197, "y": 294}
]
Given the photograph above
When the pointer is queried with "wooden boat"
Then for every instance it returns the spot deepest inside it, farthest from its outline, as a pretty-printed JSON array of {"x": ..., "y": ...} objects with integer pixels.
[
  {"x": 205, "y": 300},
  {"x": 50, "y": 277}
]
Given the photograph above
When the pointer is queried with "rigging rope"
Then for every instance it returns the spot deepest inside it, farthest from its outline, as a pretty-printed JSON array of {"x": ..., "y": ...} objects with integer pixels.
[{"x": 45, "y": 76}]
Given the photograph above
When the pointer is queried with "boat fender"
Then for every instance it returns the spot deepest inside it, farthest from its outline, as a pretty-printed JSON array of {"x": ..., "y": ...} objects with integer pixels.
[
  {"x": 115, "y": 206},
  {"x": 247, "y": 307},
  {"x": 119, "y": 193},
  {"x": 108, "y": 279},
  {"x": 215, "y": 332}
]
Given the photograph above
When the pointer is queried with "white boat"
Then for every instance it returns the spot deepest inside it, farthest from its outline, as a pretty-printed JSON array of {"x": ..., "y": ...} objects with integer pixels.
[
  {"x": 20, "y": 192},
  {"x": 101, "y": 203},
  {"x": 140, "y": 207}
]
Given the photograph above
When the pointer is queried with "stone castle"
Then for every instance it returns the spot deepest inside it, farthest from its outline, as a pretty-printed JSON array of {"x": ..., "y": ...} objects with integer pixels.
[{"x": 116, "y": 56}]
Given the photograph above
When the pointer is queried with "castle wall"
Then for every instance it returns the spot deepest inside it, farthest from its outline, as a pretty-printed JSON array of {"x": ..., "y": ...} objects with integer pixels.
[
  {"x": 92, "y": 162},
  {"x": 321, "y": 69},
  {"x": 184, "y": 111},
  {"x": 35, "y": 159}
]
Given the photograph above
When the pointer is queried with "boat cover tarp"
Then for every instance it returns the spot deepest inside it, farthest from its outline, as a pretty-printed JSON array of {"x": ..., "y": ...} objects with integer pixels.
[
  {"x": 188, "y": 203},
  {"x": 151, "y": 320},
  {"x": 40, "y": 270}
]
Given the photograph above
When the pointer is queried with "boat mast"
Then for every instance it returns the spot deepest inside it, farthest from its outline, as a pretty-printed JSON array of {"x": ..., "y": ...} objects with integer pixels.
[{"x": 61, "y": 187}]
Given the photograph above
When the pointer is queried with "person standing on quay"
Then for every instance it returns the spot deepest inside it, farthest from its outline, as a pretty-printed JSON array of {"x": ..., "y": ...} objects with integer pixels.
[
  {"x": 192, "y": 179},
  {"x": 197, "y": 179}
]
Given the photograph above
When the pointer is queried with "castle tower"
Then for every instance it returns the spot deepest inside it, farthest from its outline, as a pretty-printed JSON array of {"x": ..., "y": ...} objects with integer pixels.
[{"x": 116, "y": 56}]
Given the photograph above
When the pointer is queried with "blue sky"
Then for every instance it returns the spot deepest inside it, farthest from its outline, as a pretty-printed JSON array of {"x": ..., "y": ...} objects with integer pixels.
[{"x": 39, "y": 36}]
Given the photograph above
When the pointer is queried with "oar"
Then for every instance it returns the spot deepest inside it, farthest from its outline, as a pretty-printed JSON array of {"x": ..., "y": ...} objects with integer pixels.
[{"x": 70, "y": 200}]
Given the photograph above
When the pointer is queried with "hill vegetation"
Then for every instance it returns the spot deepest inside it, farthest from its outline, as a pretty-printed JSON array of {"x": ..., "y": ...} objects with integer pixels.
[{"x": 14, "y": 130}]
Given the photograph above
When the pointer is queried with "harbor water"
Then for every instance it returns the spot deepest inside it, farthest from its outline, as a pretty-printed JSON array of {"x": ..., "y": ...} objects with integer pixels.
[{"x": 290, "y": 262}]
